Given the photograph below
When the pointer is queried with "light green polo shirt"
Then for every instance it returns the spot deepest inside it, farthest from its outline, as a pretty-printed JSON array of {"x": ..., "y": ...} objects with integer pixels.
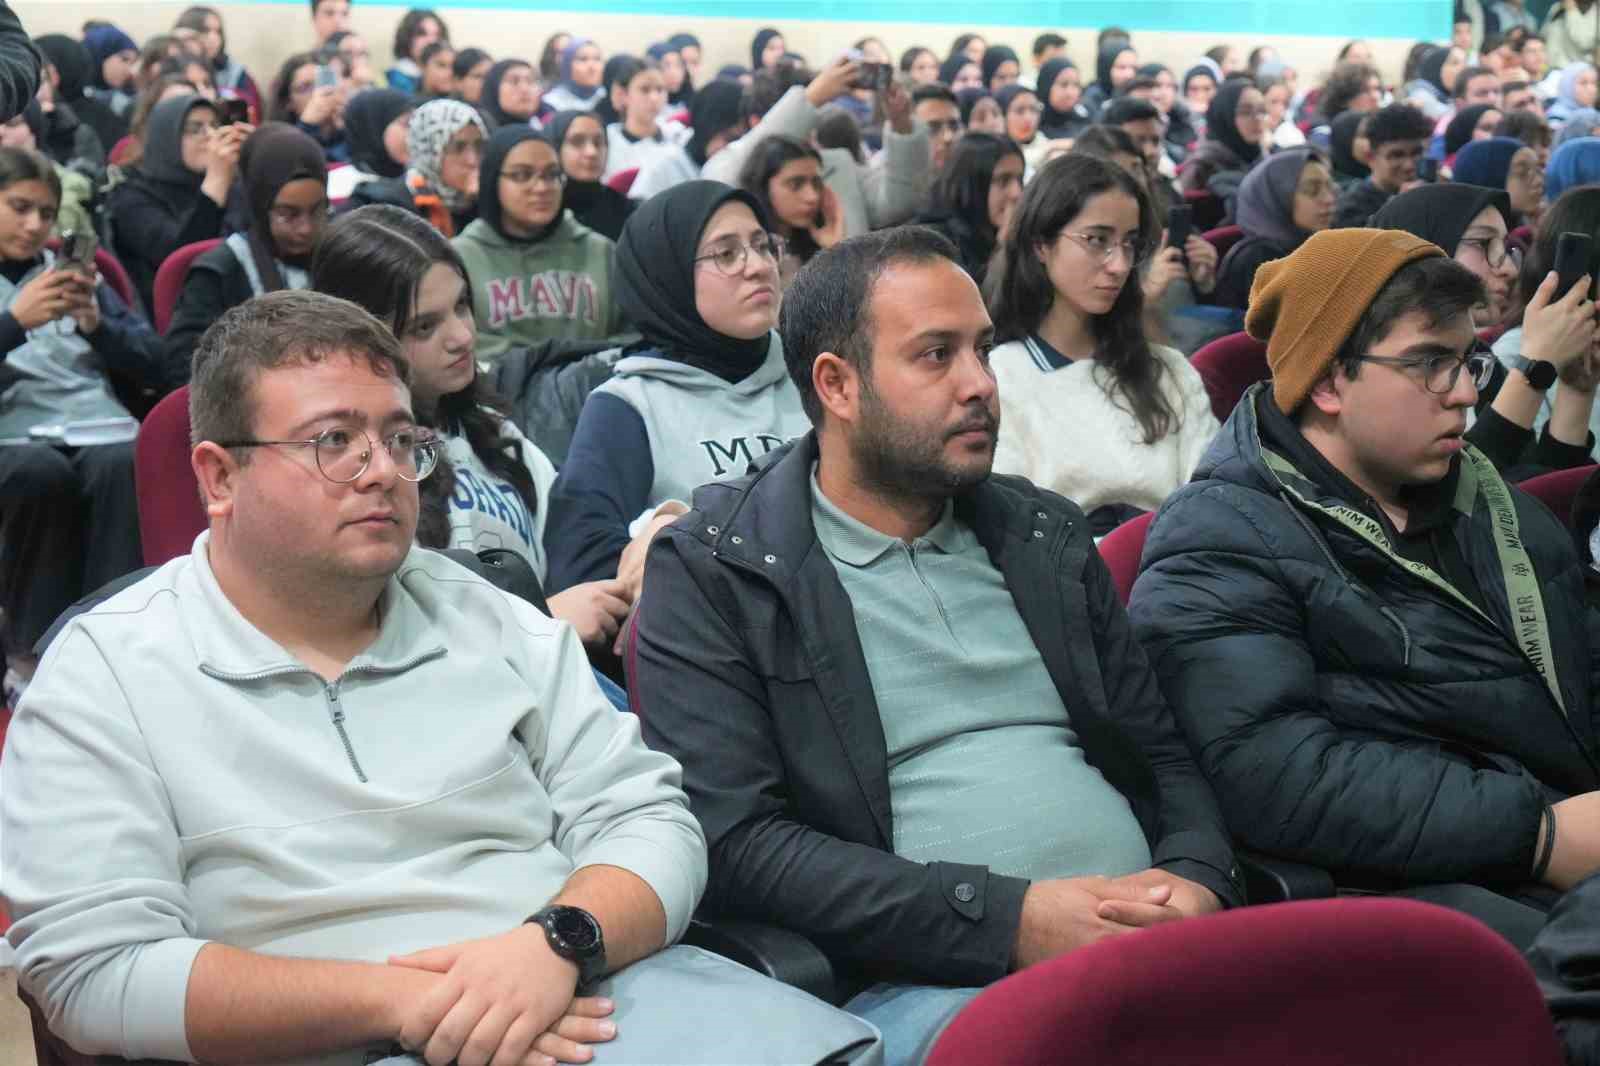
[{"x": 984, "y": 766}]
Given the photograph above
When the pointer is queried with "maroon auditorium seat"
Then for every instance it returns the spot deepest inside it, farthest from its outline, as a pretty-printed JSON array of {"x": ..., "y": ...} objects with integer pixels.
[
  {"x": 1559, "y": 489},
  {"x": 170, "y": 515},
  {"x": 623, "y": 180},
  {"x": 1122, "y": 549},
  {"x": 1230, "y": 365},
  {"x": 1208, "y": 208},
  {"x": 1224, "y": 238},
  {"x": 1379, "y": 982},
  {"x": 169, "y": 280}
]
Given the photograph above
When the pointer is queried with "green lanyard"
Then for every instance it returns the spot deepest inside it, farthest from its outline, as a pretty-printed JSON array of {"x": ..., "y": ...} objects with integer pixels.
[{"x": 1478, "y": 478}]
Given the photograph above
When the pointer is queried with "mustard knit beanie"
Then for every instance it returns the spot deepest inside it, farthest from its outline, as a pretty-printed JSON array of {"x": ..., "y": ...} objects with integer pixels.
[{"x": 1306, "y": 306}]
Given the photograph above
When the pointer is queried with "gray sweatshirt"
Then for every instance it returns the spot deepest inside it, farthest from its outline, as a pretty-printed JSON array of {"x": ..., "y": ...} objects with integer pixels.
[{"x": 175, "y": 777}]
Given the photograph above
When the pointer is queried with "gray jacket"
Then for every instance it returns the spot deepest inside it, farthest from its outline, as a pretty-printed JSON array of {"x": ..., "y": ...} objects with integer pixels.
[{"x": 175, "y": 777}]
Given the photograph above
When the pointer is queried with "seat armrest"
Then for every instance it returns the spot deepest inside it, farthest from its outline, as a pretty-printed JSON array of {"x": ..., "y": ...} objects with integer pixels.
[
  {"x": 1272, "y": 879},
  {"x": 778, "y": 953}
]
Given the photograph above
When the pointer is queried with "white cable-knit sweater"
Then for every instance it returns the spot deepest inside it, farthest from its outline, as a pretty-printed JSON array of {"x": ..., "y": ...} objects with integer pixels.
[{"x": 1059, "y": 430}]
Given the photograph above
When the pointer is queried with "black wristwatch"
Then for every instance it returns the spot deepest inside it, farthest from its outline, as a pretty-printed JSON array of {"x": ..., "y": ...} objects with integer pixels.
[
  {"x": 1540, "y": 374},
  {"x": 574, "y": 934}
]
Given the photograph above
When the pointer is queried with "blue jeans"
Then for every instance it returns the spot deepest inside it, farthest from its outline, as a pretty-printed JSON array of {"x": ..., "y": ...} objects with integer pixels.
[
  {"x": 910, "y": 1017},
  {"x": 612, "y": 691}
]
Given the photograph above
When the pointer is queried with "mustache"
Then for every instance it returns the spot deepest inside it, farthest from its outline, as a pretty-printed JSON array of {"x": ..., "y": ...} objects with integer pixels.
[{"x": 979, "y": 421}]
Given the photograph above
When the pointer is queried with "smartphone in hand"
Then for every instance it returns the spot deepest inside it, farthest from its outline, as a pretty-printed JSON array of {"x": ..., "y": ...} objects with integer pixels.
[{"x": 1573, "y": 251}]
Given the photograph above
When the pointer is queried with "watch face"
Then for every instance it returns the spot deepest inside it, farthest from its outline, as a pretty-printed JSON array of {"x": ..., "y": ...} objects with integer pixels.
[{"x": 576, "y": 929}]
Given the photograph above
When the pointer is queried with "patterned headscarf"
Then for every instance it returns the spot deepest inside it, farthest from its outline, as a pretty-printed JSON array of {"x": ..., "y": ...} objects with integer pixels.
[{"x": 432, "y": 126}]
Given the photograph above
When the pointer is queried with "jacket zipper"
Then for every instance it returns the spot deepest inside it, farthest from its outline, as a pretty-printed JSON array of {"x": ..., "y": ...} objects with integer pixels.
[
  {"x": 336, "y": 712},
  {"x": 1394, "y": 618}
]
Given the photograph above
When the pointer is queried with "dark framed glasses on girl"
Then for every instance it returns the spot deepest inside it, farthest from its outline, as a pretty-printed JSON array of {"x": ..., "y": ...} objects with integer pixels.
[{"x": 343, "y": 453}]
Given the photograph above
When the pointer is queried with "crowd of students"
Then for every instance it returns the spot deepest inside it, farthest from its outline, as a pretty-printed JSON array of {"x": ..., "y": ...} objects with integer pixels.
[{"x": 771, "y": 330}]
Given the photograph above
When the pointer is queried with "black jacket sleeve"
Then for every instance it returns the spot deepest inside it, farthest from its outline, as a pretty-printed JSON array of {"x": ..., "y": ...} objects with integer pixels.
[
  {"x": 146, "y": 229},
  {"x": 1217, "y": 610},
  {"x": 204, "y": 298},
  {"x": 1192, "y": 840},
  {"x": 701, "y": 701},
  {"x": 602, "y": 488},
  {"x": 128, "y": 344},
  {"x": 20, "y": 63}
]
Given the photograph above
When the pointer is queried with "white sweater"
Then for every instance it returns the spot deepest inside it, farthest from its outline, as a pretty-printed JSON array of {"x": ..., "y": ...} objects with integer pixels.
[{"x": 1059, "y": 430}]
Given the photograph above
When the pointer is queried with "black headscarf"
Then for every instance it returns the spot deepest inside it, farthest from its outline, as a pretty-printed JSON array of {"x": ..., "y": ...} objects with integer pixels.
[
  {"x": 759, "y": 45},
  {"x": 1053, "y": 123},
  {"x": 1440, "y": 213},
  {"x": 967, "y": 99},
  {"x": 714, "y": 109},
  {"x": 1105, "y": 61},
  {"x": 1341, "y": 145},
  {"x": 656, "y": 279},
  {"x": 597, "y": 206},
  {"x": 489, "y": 100},
  {"x": 1431, "y": 70},
  {"x": 685, "y": 94},
  {"x": 72, "y": 62},
  {"x": 366, "y": 116},
  {"x": 273, "y": 156},
  {"x": 494, "y": 159},
  {"x": 993, "y": 59},
  {"x": 617, "y": 67},
  {"x": 163, "y": 142},
  {"x": 1458, "y": 134},
  {"x": 1219, "y": 121},
  {"x": 33, "y": 115},
  {"x": 952, "y": 66}
]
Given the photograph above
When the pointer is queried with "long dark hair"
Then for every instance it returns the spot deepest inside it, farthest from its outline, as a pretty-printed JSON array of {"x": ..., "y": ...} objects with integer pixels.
[
  {"x": 1575, "y": 211},
  {"x": 768, "y": 157},
  {"x": 376, "y": 257},
  {"x": 410, "y": 28},
  {"x": 280, "y": 107},
  {"x": 961, "y": 189},
  {"x": 1019, "y": 291}
]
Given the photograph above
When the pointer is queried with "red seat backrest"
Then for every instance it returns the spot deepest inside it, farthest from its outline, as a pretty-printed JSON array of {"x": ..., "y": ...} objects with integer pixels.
[
  {"x": 1208, "y": 208},
  {"x": 1230, "y": 365},
  {"x": 622, "y": 180},
  {"x": 170, "y": 515},
  {"x": 1380, "y": 982},
  {"x": 169, "y": 280},
  {"x": 1558, "y": 490},
  {"x": 1223, "y": 238},
  {"x": 1122, "y": 549}
]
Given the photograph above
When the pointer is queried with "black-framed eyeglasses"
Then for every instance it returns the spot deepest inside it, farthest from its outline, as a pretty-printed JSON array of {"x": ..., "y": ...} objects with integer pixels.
[
  {"x": 1441, "y": 372},
  {"x": 344, "y": 452},
  {"x": 1495, "y": 251},
  {"x": 729, "y": 259}
]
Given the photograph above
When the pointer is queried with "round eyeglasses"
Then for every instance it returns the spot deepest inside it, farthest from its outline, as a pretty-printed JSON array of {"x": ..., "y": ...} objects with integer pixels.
[
  {"x": 344, "y": 452},
  {"x": 729, "y": 259},
  {"x": 1441, "y": 372}
]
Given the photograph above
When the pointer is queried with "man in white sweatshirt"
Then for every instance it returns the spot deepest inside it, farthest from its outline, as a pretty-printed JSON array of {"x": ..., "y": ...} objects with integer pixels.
[{"x": 312, "y": 794}]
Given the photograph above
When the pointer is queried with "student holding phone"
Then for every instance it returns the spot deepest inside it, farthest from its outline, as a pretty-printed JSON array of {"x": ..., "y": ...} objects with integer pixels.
[
  {"x": 308, "y": 93},
  {"x": 62, "y": 332}
]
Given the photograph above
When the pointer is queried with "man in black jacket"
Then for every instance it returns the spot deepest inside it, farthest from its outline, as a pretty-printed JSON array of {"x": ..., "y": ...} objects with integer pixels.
[
  {"x": 1379, "y": 651},
  {"x": 912, "y": 717}
]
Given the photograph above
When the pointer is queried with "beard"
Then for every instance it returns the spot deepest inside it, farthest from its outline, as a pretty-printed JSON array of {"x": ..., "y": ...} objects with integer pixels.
[{"x": 902, "y": 459}]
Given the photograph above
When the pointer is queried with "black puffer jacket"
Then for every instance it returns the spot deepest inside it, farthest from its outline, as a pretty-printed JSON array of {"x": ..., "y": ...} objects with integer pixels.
[
  {"x": 1349, "y": 710},
  {"x": 1566, "y": 958}
]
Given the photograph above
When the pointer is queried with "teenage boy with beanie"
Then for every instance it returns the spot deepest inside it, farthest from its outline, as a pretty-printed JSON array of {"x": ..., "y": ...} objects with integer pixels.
[
  {"x": 1379, "y": 651},
  {"x": 1398, "y": 136},
  {"x": 912, "y": 718}
]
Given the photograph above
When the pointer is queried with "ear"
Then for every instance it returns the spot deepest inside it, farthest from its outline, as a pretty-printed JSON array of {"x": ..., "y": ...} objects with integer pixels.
[
  {"x": 217, "y": 472},
  {"x": 837, "y": 385},
  {"x": 1327, "y": 395}
]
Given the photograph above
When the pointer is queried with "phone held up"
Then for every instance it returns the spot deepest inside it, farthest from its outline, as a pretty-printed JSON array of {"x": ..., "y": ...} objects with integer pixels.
[
  {"x": 235, "y": 111},
  {"x": 77, "y": 252},
  {"x": 1573, "y": 255},
  {"x": 1180, "y": 224}
]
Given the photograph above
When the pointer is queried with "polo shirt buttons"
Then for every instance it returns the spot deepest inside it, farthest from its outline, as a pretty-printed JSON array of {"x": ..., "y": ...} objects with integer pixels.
[{"x": 965, "y": 892}]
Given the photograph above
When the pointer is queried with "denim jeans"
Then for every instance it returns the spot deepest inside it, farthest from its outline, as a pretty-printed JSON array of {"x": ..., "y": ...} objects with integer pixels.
[{"x": 910, "y": 1017}]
